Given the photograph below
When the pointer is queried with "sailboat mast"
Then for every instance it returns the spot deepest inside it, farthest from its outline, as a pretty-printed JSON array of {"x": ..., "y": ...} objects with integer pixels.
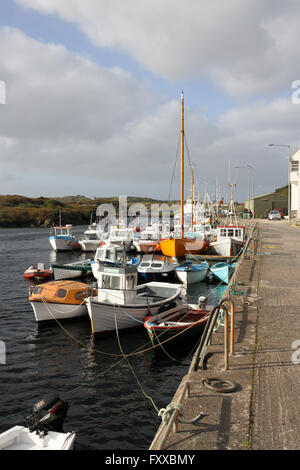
[
  {"x": 192, "y": 221},
  {"x": 182, "y": 165}
]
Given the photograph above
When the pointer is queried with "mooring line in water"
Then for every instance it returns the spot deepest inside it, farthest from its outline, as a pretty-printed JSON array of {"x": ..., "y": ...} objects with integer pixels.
[
  {"x": 136, "y": 353},
  {"x": 132, "y": 370}
]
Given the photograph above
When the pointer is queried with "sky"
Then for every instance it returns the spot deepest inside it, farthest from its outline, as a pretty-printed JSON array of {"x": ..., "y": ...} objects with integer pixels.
[{"x": 93, "y": 89}]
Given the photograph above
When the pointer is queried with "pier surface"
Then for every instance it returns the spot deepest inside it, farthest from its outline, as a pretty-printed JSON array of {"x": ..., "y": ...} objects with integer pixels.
[{"x": 262, "y": 413}]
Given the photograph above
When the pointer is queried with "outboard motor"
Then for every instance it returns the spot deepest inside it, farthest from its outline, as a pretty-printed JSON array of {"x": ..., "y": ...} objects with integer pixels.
[
  {"x": 202, "y": 302},
  {"x": 48, "y": 414}
]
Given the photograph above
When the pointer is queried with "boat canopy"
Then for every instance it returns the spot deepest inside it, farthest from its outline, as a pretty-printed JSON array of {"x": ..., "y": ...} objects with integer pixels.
[{"x": 71, "y": 292}]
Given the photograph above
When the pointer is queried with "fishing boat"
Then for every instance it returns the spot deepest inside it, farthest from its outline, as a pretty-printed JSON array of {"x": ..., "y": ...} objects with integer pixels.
[
  {"x": 181, "y": 323},
  {"x": 190, "y": 273},
  {"x": 61, "y": 239},
  {"x": 230, "y": 238},
  {"x": 91, "y": 238},
  {"x": 59, "y": 300},
  {"x": 178, "y": 246},
  {"x": 149, "y": 240},
  {"x": 122, "y": 236},
  {"x": 112, "y": 255},
  {"x": 72, "y": 270},
  {"x": 38, "y": 272},
  {"x": 156, "y": 268},
  {"x": 122, "y": 304},
  {"x": 223, "y": 271},
  {"x": 43, "y": 429}
]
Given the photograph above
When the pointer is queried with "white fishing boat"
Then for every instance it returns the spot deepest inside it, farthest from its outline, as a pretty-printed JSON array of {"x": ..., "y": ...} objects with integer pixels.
[
  {"x": 230, "y": 238},
  {"x": 122, "y": 236},
  {"x": 122, "y": 303},
  {"x": 61, "y": 239},
  {"x": 230, "y": 241},
  {"x": 110, "y": 254},
  {"x": 59, "y": 300},
  {"x": 43, "y": 429},
  {"x": 149, "y": 240},
  {"x": 91, "y": 238},
  {"x": 190, "y": 273}
]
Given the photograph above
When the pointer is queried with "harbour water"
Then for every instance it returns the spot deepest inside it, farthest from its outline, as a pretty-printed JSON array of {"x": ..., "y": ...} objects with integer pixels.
[{"x": 108, "y": 395}]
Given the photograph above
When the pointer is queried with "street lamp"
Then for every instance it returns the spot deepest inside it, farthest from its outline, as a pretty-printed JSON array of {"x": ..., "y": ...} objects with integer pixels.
[
  {"x": 249, "y": 167},
  {"x": 289, "y": 189}
]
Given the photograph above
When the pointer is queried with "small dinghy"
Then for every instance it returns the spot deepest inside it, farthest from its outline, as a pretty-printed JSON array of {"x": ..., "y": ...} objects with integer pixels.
[
  {"x": 190, "y": 273},
  {"x": 43, "y": 429},
  {"x": 38, "y": 272},
  {"x": 183, "y": 322},
  {"x": 223, "y": 271},
  {"x": 74, "y": 270}
]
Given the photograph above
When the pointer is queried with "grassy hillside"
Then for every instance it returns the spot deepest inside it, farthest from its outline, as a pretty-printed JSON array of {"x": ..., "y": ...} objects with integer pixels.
[{"x": 21, "y": 211}]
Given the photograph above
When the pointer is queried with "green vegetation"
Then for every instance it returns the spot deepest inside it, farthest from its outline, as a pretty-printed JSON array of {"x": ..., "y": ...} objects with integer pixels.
[{"x": 21, "y": 211}]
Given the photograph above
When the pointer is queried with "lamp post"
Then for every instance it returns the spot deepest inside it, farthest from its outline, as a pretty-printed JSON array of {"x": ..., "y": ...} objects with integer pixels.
[
  {"x": 249, "y": 167},
  {"x": 289, "y": 189}
]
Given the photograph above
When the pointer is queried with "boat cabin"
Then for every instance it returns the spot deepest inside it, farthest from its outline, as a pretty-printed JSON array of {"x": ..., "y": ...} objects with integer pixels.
[
  {"x": 150, "y": 233},
  {"x": 111, "y": 254},
  {"x": 121, "y": 234},
  {"x": 237, "y": 232},
  {"x": 61, "y": 231},
  {"x": 117, "y": 284},
  {"x": 70, "y": 292},
  {"x": 155, "y": 263}
]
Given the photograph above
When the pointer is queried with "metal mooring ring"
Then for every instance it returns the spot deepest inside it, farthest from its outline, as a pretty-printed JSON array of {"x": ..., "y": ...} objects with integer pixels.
[{"x": 225, "y": 386}]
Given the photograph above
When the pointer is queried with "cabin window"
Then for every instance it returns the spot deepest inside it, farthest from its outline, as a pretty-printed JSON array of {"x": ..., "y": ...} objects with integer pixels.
[
  {"x": 156, "y": 265},
  {"x": 111, "y": 282},
  {"x": 61, "y": 293},
  {"x": 37, "y": 290},
  {"x": 145, "y": 265},
  {"x": 81, "y": 295},
  {"x": 237, "y": 233},
  {"x": 230, "y": 232},
  {"x": 223, "y": 232}
]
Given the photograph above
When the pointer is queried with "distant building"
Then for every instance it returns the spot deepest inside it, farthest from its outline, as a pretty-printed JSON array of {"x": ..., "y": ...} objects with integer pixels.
[
  {"x": 294, "y": 182},
  {"x": 261, "y": 205}
]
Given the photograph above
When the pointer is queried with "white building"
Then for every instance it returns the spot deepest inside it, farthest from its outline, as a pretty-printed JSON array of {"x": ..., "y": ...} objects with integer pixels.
[{"x": 294, "y": 184}]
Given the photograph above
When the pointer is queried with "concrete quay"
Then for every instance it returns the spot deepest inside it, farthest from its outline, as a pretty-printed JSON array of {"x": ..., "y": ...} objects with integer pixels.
[{"x": 262, "y": 412}]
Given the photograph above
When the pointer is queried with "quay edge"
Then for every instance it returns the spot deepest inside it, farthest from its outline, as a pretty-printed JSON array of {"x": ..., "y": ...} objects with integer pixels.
[{"x": 261, "y": 413}]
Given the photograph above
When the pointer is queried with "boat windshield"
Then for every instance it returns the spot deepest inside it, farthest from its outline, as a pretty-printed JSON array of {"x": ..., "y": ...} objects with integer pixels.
[{"x": 111, "y": 282}]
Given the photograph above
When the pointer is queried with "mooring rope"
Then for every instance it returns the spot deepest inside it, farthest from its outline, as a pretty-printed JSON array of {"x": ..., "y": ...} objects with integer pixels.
[{"x": 129, "y": 365}]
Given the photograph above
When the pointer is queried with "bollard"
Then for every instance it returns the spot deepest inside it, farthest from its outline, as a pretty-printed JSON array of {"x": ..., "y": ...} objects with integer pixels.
[{"x": 226, "y": 364}]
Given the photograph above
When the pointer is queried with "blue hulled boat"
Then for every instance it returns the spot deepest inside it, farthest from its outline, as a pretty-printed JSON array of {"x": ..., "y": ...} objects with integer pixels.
[{"x": 223, "y": 271}]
